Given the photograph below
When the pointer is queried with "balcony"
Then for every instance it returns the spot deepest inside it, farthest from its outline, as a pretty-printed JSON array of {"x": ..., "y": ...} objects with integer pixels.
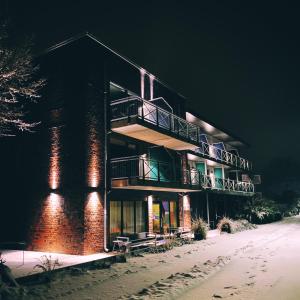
[
  {"x": 143, "y": 120},
  {"x": 227, "y": 185},
  {"x": 222, "y": 156},
  {"x": 138, "y": 173}
]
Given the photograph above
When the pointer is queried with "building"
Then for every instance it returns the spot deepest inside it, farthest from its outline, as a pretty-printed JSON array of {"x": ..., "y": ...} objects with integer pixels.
[{"x": 119, "y": 153}]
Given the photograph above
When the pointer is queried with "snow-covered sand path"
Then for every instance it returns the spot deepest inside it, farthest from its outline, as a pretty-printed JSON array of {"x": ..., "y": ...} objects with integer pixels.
[{"x": 256, "y": 264}]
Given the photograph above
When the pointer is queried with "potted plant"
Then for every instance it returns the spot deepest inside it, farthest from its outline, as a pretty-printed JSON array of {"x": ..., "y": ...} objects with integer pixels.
[{"x": 199, "y": 228}]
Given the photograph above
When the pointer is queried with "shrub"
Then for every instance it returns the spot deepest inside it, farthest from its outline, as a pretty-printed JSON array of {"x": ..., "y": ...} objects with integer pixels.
[
  {"x": 200, "y": 228},
  {"x": 226, "y": 225},
  {"x": 47, "y": 266},
  {"x": 263, "y": 210},
  {"x": 233, "y": 226},
  {"x": 241, "y": 225}
]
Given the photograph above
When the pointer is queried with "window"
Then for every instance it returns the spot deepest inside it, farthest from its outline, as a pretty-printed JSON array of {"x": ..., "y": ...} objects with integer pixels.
[
  {"x": 173, "y": 214},
  {"x": 115, "y": 218},
  {"x": 140, "y": 216},
  {"x": 128, "y": 217}
]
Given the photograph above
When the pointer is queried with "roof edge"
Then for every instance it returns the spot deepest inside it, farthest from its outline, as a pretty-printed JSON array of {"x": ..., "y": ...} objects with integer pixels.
[
  {"x": 228, "y": 132},
  {"x": 95, "y": 39}
]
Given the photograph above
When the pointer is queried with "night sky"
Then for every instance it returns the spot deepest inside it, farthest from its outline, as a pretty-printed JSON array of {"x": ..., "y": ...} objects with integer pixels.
[{"x": 238, "y": 63}]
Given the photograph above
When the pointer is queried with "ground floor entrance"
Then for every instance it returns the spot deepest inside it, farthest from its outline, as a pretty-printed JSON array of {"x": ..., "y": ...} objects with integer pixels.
[
  {"x": 127, "y": 217},
  {"x": 133, "y": 213},
  {"x": 165, "y": 215}
]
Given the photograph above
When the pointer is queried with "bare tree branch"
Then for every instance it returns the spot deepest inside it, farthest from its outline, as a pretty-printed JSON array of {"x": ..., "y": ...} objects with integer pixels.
[{"x": 18, "y": 85}]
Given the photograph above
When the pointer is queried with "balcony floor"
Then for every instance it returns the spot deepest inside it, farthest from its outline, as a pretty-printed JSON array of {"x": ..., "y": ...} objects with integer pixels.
[
  {"x": 150, "y": 185},
  {"x": 150, "y": 133},
  {"x": 226, "y": 192}
]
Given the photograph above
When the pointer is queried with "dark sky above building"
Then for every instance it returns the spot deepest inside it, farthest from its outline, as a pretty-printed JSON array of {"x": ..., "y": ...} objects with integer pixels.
[{"x": 236, "y": 61}]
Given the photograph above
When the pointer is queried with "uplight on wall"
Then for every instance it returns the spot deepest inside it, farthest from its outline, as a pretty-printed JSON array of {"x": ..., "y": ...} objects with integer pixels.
[
  {"x": 54, "y": 203},
  {"x": 54, "y": 163},
  {"x": 93, "y": 201},
  {"x": 93, "y": 148}
]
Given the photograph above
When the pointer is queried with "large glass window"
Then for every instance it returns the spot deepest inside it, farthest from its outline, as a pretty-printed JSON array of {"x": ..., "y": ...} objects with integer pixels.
[
  {"x": 173, "y": 214},
  {"x": 115, "y": 218},
  {"x": 128, "y": 217},
  {"x": 140, "y": 216},
  {"x": 156, "y": 217},
  {"x": 165, "y": 216}
]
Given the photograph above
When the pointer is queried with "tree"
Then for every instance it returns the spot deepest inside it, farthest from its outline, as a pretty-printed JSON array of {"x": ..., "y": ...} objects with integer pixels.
[{"x": 18, "y": 86}]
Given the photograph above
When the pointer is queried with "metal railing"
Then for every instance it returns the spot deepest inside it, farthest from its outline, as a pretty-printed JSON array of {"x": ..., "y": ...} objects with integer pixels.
[
  {"x": 223, "y": 156},
  {"x": 135, "y": 106},
  {"x": 127, "y": 108},
  {"x": 152, "y": 170},
  {"x": 227, "y": 184}
]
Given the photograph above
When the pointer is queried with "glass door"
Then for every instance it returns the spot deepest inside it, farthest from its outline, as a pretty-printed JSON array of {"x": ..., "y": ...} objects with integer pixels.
[
  {"x": 165, "y": 216},
  {"x": 156, "y": 217}
]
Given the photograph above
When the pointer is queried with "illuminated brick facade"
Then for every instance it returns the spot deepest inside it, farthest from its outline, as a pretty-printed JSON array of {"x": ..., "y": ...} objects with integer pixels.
[{"x": 95, "y": 147}]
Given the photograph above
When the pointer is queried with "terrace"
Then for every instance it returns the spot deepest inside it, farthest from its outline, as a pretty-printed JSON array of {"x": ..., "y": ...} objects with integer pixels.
[
  {"x": 221, "y": 156},
  {"x": 227, "y": 185},
  {"x": 143, "y": 120},
  {"x": 145, "y": 174}
]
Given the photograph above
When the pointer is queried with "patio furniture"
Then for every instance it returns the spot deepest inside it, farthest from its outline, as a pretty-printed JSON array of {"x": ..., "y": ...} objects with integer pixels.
[{"x": 124, "y": 244}]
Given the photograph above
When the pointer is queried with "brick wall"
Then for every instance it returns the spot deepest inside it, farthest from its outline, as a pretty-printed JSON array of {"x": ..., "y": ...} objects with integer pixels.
[
  {"x": 66, "y": 224},
  {"x": 57, "y": 226},
  {"x": 70, "y": 217},
  {"x": 93, "y": 224}
]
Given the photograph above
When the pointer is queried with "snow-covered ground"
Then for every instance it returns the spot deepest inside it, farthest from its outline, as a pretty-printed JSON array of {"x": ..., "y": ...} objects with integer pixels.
[
  {"x": 258, "y": 264},
  {"x": 22, "y": 263}
]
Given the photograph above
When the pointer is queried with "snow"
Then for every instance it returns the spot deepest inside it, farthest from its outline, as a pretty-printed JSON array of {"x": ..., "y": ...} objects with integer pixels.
[
  {"x": 20, "y": 268},
  {"x": 258, "y": 264}
]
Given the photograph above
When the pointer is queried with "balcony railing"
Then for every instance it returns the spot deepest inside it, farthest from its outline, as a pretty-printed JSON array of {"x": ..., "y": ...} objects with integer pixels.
[
  {"x": 227, "y": 184},
  {"x": 137, "y": 107},
  {"x": 162, "y": 172},
  {"x": 223, "y": 156},
  {"x": 151, "y": 170}
]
